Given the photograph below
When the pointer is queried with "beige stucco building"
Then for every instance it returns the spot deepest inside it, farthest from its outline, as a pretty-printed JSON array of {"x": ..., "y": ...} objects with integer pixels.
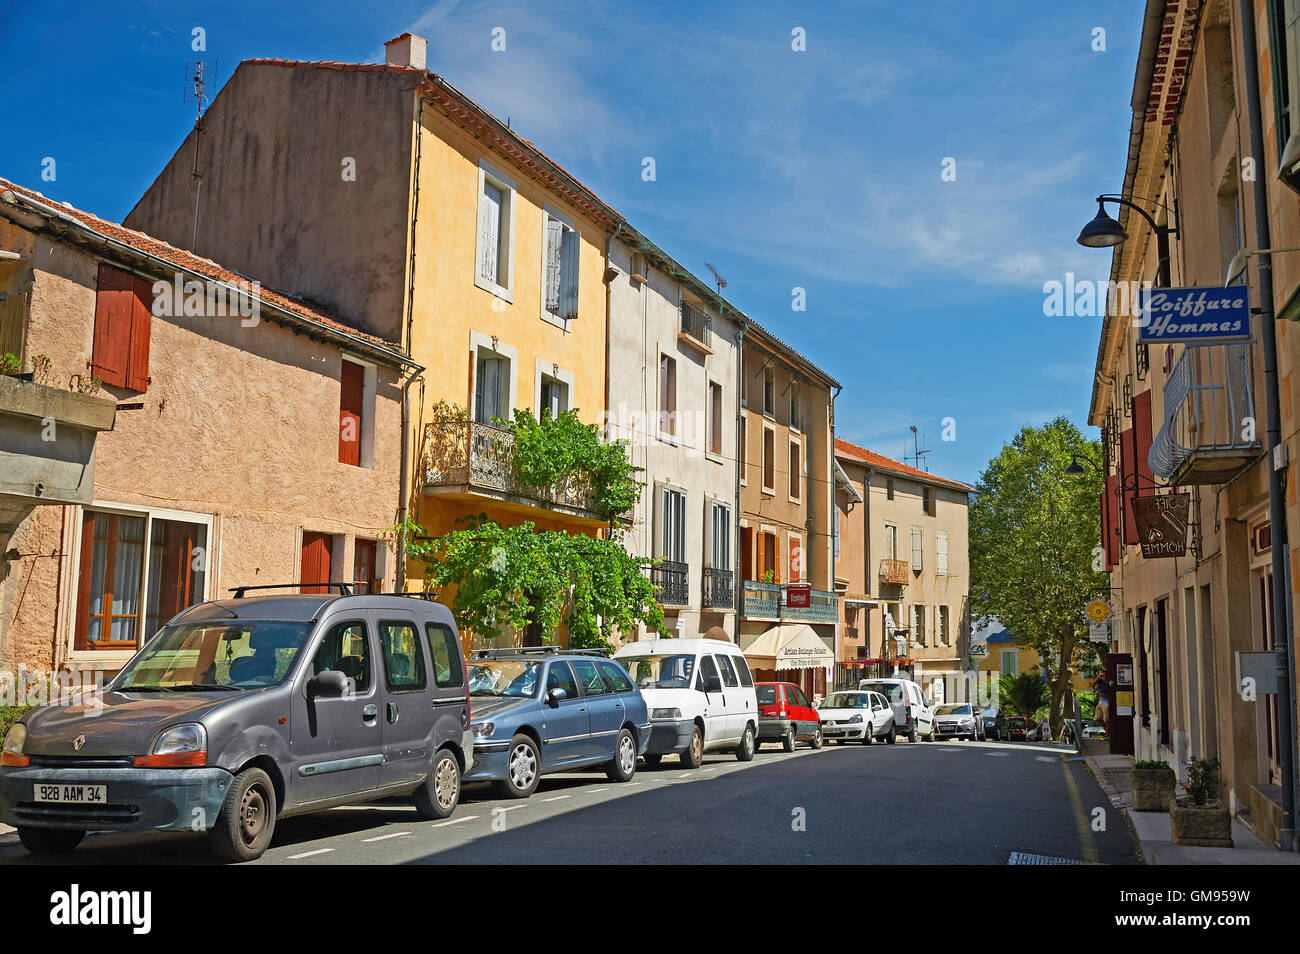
[
  {"x": 233, "y": 448},
  {"x": 902, "y": 570}
]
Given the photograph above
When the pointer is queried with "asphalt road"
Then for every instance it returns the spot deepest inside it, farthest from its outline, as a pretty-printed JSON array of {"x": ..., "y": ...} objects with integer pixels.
[{"x": 924, "y": 803}]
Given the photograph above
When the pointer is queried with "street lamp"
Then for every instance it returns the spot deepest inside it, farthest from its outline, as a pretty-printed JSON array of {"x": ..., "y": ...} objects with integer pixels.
[
  {"x": 1237, "y": 267},
  {"x": 1105, "y": 232},
  {"x": 1077, "y": 460}
]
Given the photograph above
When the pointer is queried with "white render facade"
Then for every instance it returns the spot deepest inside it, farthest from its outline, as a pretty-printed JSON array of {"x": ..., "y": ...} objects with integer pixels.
[{"x": 674, "y": 395}]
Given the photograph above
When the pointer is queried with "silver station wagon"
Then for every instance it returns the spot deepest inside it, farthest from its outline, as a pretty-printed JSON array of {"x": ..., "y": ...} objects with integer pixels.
[{"x": 244, "y": 710}]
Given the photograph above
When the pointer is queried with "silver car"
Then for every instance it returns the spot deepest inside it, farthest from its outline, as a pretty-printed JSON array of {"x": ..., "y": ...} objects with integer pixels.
[{"x": 958, "y": 720}]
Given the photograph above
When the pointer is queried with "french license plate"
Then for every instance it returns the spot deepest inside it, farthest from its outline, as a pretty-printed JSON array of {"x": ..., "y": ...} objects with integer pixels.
[{"x": 80, "y": 794}]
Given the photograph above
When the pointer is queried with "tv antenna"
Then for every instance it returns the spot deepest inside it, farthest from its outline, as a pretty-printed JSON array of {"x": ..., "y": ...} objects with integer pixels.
[
  {"x": 198, "y": 75},
  {"x": 918, "y": 456},
  {"x": 722, "y": 282}
]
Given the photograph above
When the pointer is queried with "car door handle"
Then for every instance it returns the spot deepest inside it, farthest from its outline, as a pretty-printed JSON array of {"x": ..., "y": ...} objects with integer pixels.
[
  {"x": 390, "y": 710},
  {"x": 370, "y": 711}
]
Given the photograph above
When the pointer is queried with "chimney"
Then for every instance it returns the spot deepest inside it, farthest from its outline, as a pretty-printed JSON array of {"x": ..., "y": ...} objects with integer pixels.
[{"x": 406, "y": 50}]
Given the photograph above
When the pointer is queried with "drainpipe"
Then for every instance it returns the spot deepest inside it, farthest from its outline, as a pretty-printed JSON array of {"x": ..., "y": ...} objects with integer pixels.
[
  {"x": 404, "y": 488},
  {"x": 1276, "y": 504},
  {"x": 738, "y": 584}
]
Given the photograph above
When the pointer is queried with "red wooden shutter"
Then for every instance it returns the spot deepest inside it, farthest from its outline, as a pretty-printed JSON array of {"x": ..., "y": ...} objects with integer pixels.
[
  {"x": 83, "y": 578},
  {"x": 1114, "y": 548},
  {"x": 315, "y": 562},
  {"x": 353, "y": 381},
  {"x": 137, "y": 367},
  {"x": 1142, "y": 432},
  {"x": 1127, "y": 453},
  {"x": 114, "y": 305}
]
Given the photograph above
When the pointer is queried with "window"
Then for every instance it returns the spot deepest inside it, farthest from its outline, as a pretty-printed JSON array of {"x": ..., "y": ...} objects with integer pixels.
[
  {"x": 317, "y": 562},
  {"x": 403, "y": 659},
  {"x": 795, "y": 421},
  {"x": 696, "y": 322},
  {"x": 889, "y": 489},
  {"x": 944, "y": 635},
  {"x": 554, "y": 396},
  {"x": 918, "y": 624},
  {"x": 742, "y": 669},
  {"x": 615, "y": 676},
  {"x": 352, "y": 386},
  {"x": 941, "y": 552},
  {"x": 917, "y": 539},
  {"x": 927, "y": 501},
  {"x": 769, "y": 460},
  {"x": 491, "y": 386},
  {"x": 444, "y": 650},
  {"x": 120, "y": 352},
  {"x": 672, "y": 525},
  {"x": 708, "y": 670},
  {"x": 1281, "y": 43},
  {"x": 363, "y": 567},
  {"x": 589, "y": 678},
  {"x": 729, "y": 680},
  {"x": 345, "y": 649},
  {"x": 667, "y": 396},
  {"x": 125, "y": 590},
  {"x": 742, "y": 451},
  {"x": 715, "y": 418},
  {"x": 494, "y": 246},
  {"x": 560, "y": 676},
  {"x": 719, "y": 536},
  {"x": 796, "y": 469},
  {"x": 559, "y": 267},
  {"x": 769, "y": 391},
  {"x": 794, "y": 546},
  {"x": 1010, "y": 663},
  {"x": 769, "y": 571},
  {"x": 891, "y": 542}
]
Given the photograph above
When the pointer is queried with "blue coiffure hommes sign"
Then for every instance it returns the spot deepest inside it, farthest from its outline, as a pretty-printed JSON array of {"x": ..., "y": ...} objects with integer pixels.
[{"x": 1193, "y": 314}]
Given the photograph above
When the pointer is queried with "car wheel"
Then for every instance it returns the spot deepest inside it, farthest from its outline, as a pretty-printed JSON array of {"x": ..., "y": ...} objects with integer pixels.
[
  {"x": 49, "y": 841},
  {"x": 745, "y": 751},
  {"x": 694, "y": 753},
  {"x": 440, "y": 793},
  {"x": 817, "y": 739},
  {"x": 623, "y": 766},
  {"x": 787, "y": 740},
  {"x": 652, "y": 760},
  {"x": 893, "y": 735},
  {"x": 523, "y": 768},
  {"x": 911, "y": 733},
  {"x": 869, "y": 736},
  {"x": 246, "y": 821}
]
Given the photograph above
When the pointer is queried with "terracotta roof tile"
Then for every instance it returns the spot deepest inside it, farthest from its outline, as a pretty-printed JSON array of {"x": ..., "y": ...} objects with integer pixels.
[{"x": 879, "y": 461}]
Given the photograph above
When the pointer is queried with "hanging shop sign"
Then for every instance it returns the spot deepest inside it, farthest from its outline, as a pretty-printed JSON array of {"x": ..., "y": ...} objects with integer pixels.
[
  {"x": 1162, "y": 524},
  {"x": 1211, "y": 315}
]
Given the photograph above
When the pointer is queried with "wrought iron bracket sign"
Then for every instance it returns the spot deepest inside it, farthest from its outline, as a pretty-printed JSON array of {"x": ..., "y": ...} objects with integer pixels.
[{"x": 1162, "y": 524}]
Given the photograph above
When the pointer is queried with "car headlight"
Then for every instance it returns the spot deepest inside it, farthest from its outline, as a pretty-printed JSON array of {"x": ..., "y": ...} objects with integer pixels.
[
  {"x": 177, "y": 746},
  {"x": 665, "y": 713},
  {"x": 966, "y": 721},
  {"x": 484, "y": 729},
  {"x": 856, "y": 720},
  {"x": 12, "y": 753}
]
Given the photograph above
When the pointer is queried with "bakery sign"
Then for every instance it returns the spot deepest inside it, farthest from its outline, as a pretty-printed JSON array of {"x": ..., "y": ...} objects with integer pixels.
[{"x": 1162, "y": 524}]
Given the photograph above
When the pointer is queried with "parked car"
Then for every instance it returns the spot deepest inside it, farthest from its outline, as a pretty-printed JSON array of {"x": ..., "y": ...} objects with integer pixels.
[
  {"x": 957, "y": 720},
  {"x": 995, "y": 724},
  {"x": 549, "y": 709},
  {"x": 785, "y": 715},
  {"x": 1092, "y": 729},
  {"x": 857, "y": 715},
  {"x": 700, "y": 694},
  {"x": 242, "y": 711},
  {"x": 913, "y": 711},
  {"x": 1017, "y": 727}
]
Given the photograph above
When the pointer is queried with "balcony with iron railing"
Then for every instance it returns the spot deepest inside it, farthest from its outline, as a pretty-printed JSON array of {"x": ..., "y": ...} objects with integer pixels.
[
  {"x": 1209, "y": 427},
  {"x": 719, "y": 589},
  {"x": 895, "y": 572},
  {"x": 672, "y": 583},
  {"x": 767, "y": 601},
  {"x": 469, "y": 457},
  {"x": 696, "y": 325}
]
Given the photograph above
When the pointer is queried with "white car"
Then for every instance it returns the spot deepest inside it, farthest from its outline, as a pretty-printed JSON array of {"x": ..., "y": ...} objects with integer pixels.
[
  {"x": 913, "y": 711},
  {"x": 700, "y": 694},
  {"x": 857, "y": 715}
]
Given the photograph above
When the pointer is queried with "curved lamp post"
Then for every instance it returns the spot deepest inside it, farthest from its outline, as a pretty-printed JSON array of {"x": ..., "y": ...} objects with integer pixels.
[{"x": 1105, "y": 232}]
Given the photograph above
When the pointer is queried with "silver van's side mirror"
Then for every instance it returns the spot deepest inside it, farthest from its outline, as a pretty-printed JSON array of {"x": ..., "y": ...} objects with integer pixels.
[{"x": 328, "y": 684}]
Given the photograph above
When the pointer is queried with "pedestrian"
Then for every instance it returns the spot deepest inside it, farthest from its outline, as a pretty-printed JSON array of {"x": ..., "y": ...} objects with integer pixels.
[{"x": 1101, "y": 712}]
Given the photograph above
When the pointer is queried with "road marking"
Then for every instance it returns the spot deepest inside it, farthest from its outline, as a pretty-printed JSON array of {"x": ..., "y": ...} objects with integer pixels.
[
  {"x": 556, "y": 798},
  {"x": 454, "y": 821},
  {"x": 997, "y": 755},
  {"x": 308, "y": 854},
  {"x": 1045, "y": 758},
  {"x": 1086, "y": 842},
  {"x": 948, "y": 750},
  {"x": 507, "y": 808},
  {"x": 396, "y": 834}
]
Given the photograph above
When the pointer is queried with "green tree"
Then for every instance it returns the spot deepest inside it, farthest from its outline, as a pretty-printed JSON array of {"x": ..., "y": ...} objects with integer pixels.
[
  {"x": 1025, "y": 694},
  {"x": 1033, "y": 532}
]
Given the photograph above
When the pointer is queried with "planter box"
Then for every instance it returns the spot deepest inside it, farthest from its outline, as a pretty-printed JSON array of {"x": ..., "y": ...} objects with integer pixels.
[
  {"x": 1205, "y": 827},
  {"x": 1153, "y": 789}
]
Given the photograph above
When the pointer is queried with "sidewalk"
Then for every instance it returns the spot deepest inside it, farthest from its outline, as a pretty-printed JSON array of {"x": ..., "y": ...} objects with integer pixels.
[{"x": 1153, "y": 828}]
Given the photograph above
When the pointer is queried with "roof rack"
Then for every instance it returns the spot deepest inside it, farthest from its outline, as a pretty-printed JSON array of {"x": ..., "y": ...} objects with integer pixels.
[
  {"x": 431, "y": 597},
  {"x": 536, "y": 651},
  {"x": 345, "y": 589}
]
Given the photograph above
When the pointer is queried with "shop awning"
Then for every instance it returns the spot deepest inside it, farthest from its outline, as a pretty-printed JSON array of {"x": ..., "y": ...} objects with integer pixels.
[{"x": 789, "y": 646}]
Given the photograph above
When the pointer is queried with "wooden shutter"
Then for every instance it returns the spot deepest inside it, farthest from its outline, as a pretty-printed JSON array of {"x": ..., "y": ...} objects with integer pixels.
[
  {"x": 316, "y": 549},
  {"x": 352, "y": 385},
  {"x": 554, "y": 240},
  {"x": 137, "y": 366},
  {"x": 1142, "y": 433},
  {"x": 1128, "y": 449},
  {"x": 83, "y": 578},
  {"x": 570, "y": 243},
  {"x": 1114, "y": 546},
  {"x": 489, "y": 232},
  {"x": 114, "y": 310}
]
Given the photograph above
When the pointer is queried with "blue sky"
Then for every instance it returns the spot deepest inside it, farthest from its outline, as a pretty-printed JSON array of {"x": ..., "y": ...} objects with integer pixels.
[{"x": 818, "y": 169}]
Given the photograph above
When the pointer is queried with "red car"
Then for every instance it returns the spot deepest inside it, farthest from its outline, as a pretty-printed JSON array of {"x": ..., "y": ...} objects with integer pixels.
[
  {"x": 1017, "y": 728},
  {"x": 785, "y": 715}
]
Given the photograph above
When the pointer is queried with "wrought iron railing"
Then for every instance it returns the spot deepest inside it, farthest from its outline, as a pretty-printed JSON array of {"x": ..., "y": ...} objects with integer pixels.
[
  {"x": 1209, "y": 408},
  {"x": 719, "y": 589},
  {"x": 894, "y": 571},
  {"x": 696, "y": 322},
  {"x": 823, "y": 608},
  {"x": 768, "y": 601},
  {"x": 481, "y": 456},
  {"x": 672, "y": 583},
  {"x": 760, "y": 600}
]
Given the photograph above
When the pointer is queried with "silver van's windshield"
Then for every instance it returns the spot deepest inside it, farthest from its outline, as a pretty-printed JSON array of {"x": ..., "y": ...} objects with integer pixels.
[
  {"x": 249, "y": 654},
  {"x": 669, "y": 671}
]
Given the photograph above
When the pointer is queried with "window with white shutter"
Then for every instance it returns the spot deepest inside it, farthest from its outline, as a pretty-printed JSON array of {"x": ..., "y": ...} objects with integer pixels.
[
  {"x": 941, "y": 553},
  {"x": 561, "y": 250},
  {"x": 672, "y": 525},
  {"x": 917, "y": 561},
  {"x": 494, "y": 244}
]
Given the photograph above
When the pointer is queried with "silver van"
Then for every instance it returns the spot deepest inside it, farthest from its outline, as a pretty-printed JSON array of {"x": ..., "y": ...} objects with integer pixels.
[{"x": 244, "y": 710}]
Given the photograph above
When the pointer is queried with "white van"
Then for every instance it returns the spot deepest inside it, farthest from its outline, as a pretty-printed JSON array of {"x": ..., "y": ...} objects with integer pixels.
[
  {"x": 913, "y": 711},
  {"x": 700, "y": 694}
]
